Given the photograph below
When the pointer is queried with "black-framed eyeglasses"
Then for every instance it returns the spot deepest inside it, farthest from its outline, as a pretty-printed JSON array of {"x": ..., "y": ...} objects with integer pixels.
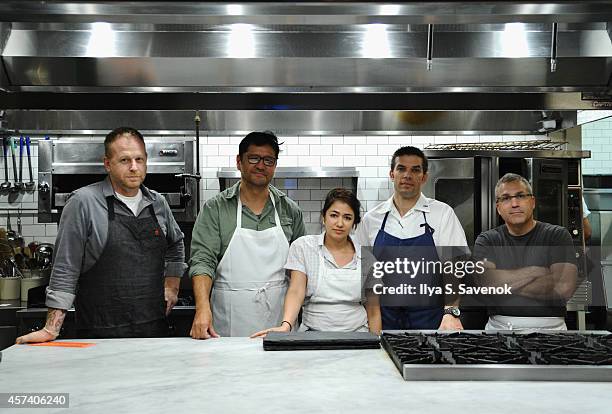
[
  {"x": 254, "y": 159},
  {"x": 507, "y": 198}
]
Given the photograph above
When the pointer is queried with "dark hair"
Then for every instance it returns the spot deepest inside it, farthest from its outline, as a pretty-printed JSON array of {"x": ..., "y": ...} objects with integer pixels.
[
  {"x": 409, "y": 151},
  {"x": 346, "y": 196},
  {"x": 116, "y": 133},
  {"x": 260, "y": 139}
]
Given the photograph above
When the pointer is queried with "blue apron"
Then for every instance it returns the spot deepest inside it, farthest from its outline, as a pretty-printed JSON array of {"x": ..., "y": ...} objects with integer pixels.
[{"x": 424, "y": 313}]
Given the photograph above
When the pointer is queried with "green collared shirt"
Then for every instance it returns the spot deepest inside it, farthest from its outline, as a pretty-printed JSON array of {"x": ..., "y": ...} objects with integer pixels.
[{"x": 216, "y": 223}]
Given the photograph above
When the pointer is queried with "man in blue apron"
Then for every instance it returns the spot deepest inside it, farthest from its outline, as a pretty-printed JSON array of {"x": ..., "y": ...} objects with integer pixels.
[
  {"x": 410, "y": 226},
  {"x": 239, "y": 247},
  {"x": 119, "y": 252}
]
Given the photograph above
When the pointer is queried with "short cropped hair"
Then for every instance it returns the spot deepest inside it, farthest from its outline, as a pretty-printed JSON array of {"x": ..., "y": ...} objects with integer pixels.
[
  {"x": 511, "y": 178},
  {"x": 116, "y": 133},
  {"x": 408, "y": 150}
]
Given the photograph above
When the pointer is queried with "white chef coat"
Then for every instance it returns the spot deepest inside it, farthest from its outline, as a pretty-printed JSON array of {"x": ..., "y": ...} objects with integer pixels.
[{"x": 440, "y": 216}]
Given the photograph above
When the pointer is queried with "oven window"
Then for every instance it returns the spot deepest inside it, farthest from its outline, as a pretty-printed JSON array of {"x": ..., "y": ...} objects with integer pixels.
[
  {"x": 548, "y": 201},
  {"x": 459, "y": 194}
]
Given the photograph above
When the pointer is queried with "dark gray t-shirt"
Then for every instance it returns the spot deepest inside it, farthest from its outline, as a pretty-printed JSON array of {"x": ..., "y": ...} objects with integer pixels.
[{"x": 543, "y": 246}]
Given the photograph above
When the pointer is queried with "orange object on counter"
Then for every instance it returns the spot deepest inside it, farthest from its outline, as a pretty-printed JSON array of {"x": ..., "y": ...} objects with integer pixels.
[{"x": 65, "y": 344}]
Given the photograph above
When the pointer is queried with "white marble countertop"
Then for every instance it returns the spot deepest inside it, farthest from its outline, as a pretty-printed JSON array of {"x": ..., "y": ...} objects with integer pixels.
[{"x": 235, "y": 375}]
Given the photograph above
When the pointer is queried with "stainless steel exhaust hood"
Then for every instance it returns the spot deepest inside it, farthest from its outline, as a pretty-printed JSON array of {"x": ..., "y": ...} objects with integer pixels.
[{"x": 306, "y": 56}]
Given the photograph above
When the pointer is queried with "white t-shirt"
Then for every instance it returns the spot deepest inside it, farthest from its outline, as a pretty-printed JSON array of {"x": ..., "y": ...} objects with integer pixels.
[
  {"x": 440, "y": 217},
  {"x": 132, "y": 202}
]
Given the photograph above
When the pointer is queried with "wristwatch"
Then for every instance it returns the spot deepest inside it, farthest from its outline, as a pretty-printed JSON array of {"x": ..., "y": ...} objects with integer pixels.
[{"x": 453, "y": 310}]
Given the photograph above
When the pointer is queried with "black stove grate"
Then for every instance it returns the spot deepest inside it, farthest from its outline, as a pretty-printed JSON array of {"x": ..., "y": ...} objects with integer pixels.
[
  {"x": 463, "y": 348},
  {"x": 414, "y": 349}
]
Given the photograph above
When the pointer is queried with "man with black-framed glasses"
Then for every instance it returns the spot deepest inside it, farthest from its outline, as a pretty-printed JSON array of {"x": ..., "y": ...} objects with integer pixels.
[
  {"x": 239, "y": 247},
  {"x": 532, "y": 260}
]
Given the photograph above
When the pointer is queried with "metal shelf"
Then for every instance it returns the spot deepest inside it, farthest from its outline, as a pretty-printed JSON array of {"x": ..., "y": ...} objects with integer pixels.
[
  {"x": 299, "y": 172},
  {"x": 225, "y": 174}
]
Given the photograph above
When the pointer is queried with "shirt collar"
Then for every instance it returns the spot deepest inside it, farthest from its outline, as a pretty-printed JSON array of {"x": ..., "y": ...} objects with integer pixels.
[
  {"x": 233, "y": 191},
  {"x": 321, "y": 239},
  {"x": 109, "y": 191},
  {"x": 422, "y": 204}
]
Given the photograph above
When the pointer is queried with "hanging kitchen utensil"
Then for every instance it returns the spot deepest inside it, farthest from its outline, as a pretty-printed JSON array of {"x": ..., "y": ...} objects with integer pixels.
[
  {"x": 30, "y": 184},
  {"x": 44, "y": 255},
  {"x": 10, "y": 234},
  {"x": 14, "y": 158},
  {"x": 33, "y": 246},
  {"x": 19, "y": 236},
  {"x": 6, "y": 185},
  {"x": 19, "y": 184}
]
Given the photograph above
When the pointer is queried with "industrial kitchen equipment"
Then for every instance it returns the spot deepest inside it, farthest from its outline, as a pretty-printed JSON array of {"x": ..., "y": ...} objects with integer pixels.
[{"x": 65, "y": 165}]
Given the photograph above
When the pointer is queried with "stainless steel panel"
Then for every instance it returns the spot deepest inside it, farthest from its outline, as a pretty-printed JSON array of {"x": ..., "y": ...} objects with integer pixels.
[
  {"x": 74, "y": 156},
  {"x": 306, "y": 13},
  {"x": 452, "y": 182},
  {"x": 5, "y": 32},
  {"x": 356, "y": 42},
  {"x": 297, "y": 74},
  {"x": 606, "y": 271},
  {"x": 298, "y": 172},
  {"x": 285, "y": 121},
  {"x": 505, "y": 56},
  {"x": 77, "y": 154},
  {"x": 506, "y": 373},
  {"x": 598, "y": 198}
]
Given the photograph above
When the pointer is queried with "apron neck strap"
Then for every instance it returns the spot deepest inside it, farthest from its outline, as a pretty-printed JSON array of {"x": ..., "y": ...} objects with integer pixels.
[
  {"x": 428, "y": 228},
  {"x": 110, "y": 204},
  {"x": 239, "y": 210},
  {"x": 382, "y": 227}
]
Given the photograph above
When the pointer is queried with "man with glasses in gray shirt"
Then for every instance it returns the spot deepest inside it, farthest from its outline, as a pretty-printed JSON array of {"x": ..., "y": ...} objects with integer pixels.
[
  {"x": 239, "y": 247},
  {"x": 535, "y": 260},
  {"x": 119, "y": 252}
]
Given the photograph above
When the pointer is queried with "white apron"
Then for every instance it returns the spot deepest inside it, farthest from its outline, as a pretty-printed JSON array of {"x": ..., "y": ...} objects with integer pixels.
[
  {"x": 335, "y": 304},
  {"x": 525, "y": 324},
  {"x": 250, "y": 285}
]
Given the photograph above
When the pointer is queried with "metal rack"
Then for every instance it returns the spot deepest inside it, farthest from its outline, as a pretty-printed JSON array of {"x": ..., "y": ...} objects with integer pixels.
[{"x": 541, "y": 144}]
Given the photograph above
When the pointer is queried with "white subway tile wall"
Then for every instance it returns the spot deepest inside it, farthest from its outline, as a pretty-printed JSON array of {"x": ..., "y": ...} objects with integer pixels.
[
  {"x": 23, "y": 205},
  {"x": 597, "y": 138},
  {"x": 369, "y": 154}
]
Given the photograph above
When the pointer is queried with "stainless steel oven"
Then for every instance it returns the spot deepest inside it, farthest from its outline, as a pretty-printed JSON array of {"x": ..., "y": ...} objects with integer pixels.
[{"x": 65, "y": 165}]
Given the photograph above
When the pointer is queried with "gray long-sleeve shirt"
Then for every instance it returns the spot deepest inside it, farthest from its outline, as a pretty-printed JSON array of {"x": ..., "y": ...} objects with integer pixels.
[{"x": 83, "y": 232}]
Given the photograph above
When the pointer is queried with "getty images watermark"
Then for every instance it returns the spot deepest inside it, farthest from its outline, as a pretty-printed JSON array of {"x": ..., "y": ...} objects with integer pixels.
[{"x": 427, "y": 271}]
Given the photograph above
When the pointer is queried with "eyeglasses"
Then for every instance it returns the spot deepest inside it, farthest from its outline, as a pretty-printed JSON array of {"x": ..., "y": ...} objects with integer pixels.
[
  {"x": 268, "y": 161},
  {"x": 505, "y": 199}
]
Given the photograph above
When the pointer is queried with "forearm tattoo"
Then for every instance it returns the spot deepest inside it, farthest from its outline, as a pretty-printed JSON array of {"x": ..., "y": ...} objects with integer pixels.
[{"x": 55, "y": 319}]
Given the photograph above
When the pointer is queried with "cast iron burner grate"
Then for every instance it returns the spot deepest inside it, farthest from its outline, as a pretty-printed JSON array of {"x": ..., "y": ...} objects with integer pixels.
[
  {"x": 415, "y": 349},
  {"x": 441, "y": 356}
]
